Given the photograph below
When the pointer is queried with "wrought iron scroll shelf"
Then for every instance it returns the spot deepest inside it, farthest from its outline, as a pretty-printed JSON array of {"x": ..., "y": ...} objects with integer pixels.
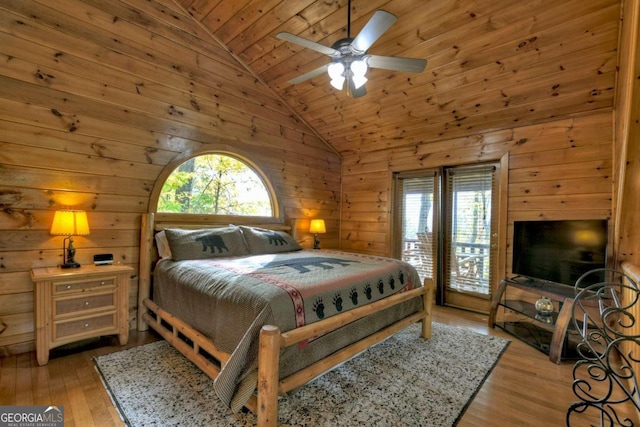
[{"x": 604, "y": 378}]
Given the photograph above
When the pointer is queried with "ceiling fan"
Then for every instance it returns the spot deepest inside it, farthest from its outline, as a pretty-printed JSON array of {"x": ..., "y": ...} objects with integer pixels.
[{"x": 350, "y": 60}]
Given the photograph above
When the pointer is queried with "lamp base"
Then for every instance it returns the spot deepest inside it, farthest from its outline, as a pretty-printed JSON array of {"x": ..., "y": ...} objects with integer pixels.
[
  {"x": 69, "y": 261},
  {"x": 70, "y": 265}
]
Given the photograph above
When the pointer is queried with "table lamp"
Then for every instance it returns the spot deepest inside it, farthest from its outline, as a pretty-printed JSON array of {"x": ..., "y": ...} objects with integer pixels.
[
  {"x": 317, "y": 226},
  {"x": 69, "y": 223}
]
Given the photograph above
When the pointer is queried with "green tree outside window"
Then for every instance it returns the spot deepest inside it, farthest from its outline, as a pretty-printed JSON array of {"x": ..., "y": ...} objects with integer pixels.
[{"x": 215, "y": 184}]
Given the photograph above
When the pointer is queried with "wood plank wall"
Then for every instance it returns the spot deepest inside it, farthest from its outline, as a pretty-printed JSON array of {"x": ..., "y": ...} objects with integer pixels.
[
  {"x": 95, "y": 99},
  {"x": 627, "y": 149},
  {"x": 557, "y": 170},
  {"x": 628, "y": 139}
]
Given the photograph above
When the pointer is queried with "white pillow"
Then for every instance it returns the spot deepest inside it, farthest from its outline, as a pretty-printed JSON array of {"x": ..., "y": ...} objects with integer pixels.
[{"x": 164, "y": 251}]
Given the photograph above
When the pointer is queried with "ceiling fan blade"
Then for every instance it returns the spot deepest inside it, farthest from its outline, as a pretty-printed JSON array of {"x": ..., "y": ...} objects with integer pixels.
[
  {"x": 411, "y": 65},
  {"x": 377, "y": 25},
  {"x": 311, "y": 74},
  {"x": 357, "y": 93},
  {"x": 308, "y": 44}
]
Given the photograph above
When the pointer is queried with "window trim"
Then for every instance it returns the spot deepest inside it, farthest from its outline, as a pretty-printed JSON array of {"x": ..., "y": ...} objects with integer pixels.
[{"x": 236, "y": 154}]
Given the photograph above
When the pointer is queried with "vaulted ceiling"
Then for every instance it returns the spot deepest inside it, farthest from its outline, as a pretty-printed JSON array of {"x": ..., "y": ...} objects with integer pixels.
[{"x": 492, "y": 64}]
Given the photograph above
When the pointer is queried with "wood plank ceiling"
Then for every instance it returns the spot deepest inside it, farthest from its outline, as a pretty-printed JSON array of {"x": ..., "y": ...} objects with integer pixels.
[{"x": 492, "y": 64}]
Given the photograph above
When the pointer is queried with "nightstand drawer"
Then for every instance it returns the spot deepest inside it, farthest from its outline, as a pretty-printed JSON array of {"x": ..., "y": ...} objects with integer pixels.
[
  {"x": 85, "y": 327},
  {"x": 84, "y": 303},
  {"x": 83, "y": 286}
]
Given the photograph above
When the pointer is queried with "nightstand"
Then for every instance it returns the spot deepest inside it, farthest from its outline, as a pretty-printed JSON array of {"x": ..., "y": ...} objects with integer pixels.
[{"x": 75, "y": 304}]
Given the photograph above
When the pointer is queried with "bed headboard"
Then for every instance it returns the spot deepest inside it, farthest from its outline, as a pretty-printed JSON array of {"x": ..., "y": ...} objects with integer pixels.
[{"x": 153, "y": 223}]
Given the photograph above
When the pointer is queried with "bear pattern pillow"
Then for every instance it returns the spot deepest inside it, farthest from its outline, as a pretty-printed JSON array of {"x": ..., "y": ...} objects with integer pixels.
[
  {"x": 206, "y": 243},
  {"x": 263, "y": 241}
]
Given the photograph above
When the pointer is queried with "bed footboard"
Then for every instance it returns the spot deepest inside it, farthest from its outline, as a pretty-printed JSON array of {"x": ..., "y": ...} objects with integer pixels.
[
  {"x": 271, "y": 341},
  {"x": 201, "y": 351}
]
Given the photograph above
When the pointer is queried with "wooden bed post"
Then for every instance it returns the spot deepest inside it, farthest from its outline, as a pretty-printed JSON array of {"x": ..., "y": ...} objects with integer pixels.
[
  {"x": 268, "y": 365},
  {"x": 144, "y": 271},
  {"x": 427, "y": 299}
]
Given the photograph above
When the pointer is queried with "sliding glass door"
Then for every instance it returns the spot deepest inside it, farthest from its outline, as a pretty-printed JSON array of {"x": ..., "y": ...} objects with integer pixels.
[
  {"x": 460, "y": 202},
  {"x": 415, "y": 221},
  {"x": 470, "y": 236}
]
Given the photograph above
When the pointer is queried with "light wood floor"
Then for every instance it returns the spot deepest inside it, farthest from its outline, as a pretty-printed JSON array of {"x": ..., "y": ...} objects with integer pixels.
[{"x": 524, "y": 389}]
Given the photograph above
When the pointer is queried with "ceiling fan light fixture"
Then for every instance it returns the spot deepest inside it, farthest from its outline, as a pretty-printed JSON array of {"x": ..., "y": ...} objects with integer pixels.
[
  {"x": 358, "y": 70},
  {"x": 359, "y": 67},
  {"x": 359, "y": 81},
  {"x": 338, "y": 82},
  {"x": 336, "y": 72}
]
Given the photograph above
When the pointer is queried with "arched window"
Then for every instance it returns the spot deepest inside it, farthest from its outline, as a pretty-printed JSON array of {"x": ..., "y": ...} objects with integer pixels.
[{"x": 216, "y": 184}]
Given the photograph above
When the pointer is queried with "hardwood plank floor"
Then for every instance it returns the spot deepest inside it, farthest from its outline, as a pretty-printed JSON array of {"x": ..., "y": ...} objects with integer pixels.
[{"x": 524, "y": 389}]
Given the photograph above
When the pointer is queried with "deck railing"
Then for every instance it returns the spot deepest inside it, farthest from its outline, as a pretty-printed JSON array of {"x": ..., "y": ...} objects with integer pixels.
[{"x": 469, "y": 269}]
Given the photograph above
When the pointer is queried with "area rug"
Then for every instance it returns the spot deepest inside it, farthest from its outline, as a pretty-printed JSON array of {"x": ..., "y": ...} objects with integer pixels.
[{"x": 403, "y": 381}]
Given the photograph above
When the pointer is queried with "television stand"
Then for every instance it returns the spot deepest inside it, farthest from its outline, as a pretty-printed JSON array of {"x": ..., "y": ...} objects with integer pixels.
[{"x": 514, "y": 303}]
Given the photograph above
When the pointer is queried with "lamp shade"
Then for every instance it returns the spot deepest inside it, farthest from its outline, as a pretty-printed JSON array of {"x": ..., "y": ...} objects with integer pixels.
[
  {"x": 70, "y": 223},
  {"x": 317, "y": 226}
]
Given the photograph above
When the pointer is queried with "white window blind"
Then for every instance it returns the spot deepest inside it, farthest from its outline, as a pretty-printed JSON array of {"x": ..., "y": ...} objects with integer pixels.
[
  {"x": 415, "y": 205},
  {"x": 468, "y": 228}
]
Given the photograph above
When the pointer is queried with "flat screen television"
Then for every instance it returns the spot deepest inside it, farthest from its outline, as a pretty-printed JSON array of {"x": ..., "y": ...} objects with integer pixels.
[{"x": 559, "y": 251}]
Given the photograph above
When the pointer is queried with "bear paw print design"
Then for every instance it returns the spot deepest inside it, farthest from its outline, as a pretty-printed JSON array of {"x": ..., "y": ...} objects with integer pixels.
[
  {"x": 337, "y": 301},
  {"x": 318, "y": 307}
]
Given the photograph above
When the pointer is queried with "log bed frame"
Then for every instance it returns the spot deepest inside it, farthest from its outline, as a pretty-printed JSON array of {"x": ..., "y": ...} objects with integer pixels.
[{"x": 199, "y": 349}]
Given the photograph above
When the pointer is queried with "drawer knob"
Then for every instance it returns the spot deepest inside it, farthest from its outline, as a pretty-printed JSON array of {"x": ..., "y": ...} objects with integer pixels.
[
  {"x": 102, "y": 283},
  {"x": 86, "y": 303},
  {"x": 86, "y": 325},
  {"x": 68, "y": 286}
]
